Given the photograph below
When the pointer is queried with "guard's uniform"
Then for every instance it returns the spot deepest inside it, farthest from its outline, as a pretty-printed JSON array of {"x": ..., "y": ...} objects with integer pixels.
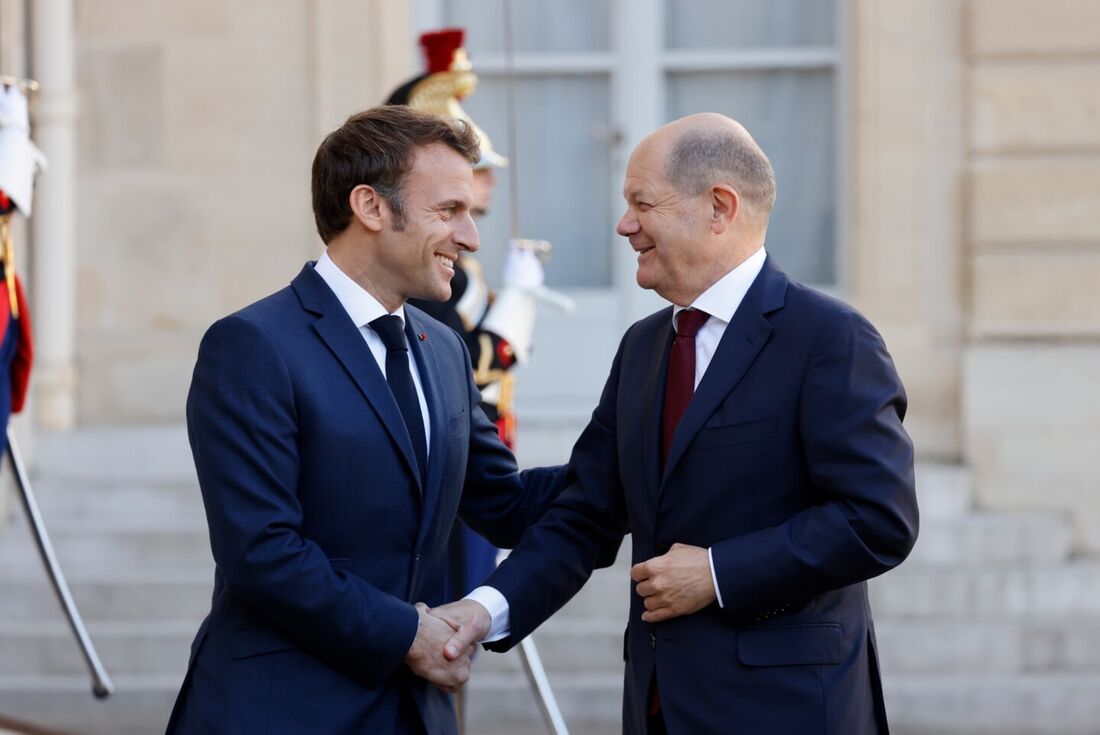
[
  {"x": 495, "y": 326},
  {"x": 20, "y": 160}
]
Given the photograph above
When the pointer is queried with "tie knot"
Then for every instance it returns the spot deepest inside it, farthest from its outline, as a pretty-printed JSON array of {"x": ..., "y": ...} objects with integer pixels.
[
  {"x": 389, "y": 329},
  {"x": 689, "y": 322}
]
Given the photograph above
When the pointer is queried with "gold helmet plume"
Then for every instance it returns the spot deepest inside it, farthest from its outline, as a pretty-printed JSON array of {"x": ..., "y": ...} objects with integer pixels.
[{"x": 448, "y": 79}]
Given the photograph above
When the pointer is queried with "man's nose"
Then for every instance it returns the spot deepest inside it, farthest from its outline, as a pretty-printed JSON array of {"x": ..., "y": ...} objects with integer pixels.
[
  {"x": 465, "y": 235},
  {"x": 628, "y": 225}
]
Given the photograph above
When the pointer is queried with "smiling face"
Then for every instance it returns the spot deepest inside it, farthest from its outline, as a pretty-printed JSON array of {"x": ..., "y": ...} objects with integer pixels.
[
  {"x": 417, "y": 261},
  {"x": 670, "y": 230}
]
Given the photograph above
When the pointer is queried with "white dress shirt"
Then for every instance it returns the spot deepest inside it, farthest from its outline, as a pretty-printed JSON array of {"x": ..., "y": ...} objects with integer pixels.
[
  {"x": 720, "y": 301},
  {"x": 363, "y": 309}
]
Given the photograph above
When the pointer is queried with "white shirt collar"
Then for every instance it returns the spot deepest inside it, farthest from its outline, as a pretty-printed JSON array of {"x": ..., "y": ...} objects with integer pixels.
[
  {"x": 722, "y": 299},
  {"x": 357, "y": 302}
]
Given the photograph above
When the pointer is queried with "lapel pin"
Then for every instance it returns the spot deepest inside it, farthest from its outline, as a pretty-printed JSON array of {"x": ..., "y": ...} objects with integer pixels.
[{"x": 423, "y": 337}]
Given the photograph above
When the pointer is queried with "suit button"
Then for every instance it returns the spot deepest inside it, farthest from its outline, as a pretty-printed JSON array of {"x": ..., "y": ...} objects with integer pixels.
[
  {"x": 652, "y": 641},
  {"x": 661, "y": 549}
]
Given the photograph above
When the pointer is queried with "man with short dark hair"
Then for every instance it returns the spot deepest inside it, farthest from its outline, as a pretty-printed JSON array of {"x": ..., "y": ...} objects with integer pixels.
[
  {"x": 336, "y": 433},
  {"x": 750, "y": 438}
]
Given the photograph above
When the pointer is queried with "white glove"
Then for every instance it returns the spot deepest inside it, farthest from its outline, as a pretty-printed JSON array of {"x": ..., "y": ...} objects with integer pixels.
[
  {"x": 20, "y": 159},
  {"x": 522, "y": 269}
]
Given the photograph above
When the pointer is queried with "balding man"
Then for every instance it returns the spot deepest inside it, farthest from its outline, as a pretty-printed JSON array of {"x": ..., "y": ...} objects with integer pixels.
[{"x": 750, "y": 438}]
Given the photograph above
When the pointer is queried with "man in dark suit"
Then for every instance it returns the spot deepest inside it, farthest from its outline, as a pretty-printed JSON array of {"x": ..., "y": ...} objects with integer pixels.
[
  {"x": 336, "y": 433},
  {"x": 750, "y": 439}
]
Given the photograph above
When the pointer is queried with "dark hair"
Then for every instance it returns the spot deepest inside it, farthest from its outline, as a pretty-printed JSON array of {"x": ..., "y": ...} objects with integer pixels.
[
  {"x": 376, "y": 148},
  {"x": 698, "y": 159}
]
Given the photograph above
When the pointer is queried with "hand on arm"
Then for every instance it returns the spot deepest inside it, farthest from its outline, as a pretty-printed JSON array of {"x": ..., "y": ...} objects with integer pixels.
[{"x": 677, "y": 583}]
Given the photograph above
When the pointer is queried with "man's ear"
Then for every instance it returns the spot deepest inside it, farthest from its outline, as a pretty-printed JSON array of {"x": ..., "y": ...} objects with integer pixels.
[
  {"x": 725, "y": 205},
  {"x": 367, "y": 207}
]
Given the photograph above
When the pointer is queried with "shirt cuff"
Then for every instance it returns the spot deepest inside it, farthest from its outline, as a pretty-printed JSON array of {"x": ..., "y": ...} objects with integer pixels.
[
  {"x": 497, "y": 606},
  {"x": 713, "y": 577}
]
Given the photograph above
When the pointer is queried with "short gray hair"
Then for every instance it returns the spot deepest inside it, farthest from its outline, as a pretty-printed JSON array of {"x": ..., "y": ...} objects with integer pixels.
[{"x": 699, "y": 159}]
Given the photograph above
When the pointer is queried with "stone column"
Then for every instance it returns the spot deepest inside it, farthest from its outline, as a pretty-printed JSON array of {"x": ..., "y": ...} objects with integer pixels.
[
  {"x": 905, "y": 205},
  {"x": 54, "y": 223}
]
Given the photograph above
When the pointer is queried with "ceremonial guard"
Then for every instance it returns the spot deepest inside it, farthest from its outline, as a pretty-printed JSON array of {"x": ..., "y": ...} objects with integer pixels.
[
  {"x": 497, "y": 326},
  {"x": 20, "y": 160}
]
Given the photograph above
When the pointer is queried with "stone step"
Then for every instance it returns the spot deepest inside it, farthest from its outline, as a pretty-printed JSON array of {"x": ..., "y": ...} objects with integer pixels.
[
  {"x": 497, "y": 698},
  {"x": 990, "y": 647},
  {"x": 993, "y": 538},
  {"x": 583, "y": 646},
  {"x": 1007, "y": 704},
  {"x": 497, "y": 704},
  {"x": 144, "y": 647},
  {"x": 939, "y": 592},
  {"x": 138, "y": 454},
  {"x": 68, "y": 501},
  {"x": 128, "y": 596},
  {"x": 139, "y": 706},
  {"x": 125, "y": 648},
  {"x": 934, "y": 704},
  {"x": 84, "y": 547}
]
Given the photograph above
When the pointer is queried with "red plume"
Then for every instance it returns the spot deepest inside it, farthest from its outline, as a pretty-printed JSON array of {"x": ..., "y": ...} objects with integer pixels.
[{"x": 439, "y": 48}]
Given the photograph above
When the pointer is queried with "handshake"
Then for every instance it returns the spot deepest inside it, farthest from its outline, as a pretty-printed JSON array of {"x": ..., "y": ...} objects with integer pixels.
[{"x": 446, "y": 638}]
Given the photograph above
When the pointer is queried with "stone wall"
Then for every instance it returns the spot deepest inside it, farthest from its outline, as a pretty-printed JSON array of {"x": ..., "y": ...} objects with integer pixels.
[
  {"x": 1031, "y": 410},
  {"x": 198, "y": 124},
  {"x": 905, "y": 264}
]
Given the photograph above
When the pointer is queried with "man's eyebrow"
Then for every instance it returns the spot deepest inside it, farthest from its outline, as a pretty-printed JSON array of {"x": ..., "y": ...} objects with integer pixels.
[{"x": 458, "y": 203}]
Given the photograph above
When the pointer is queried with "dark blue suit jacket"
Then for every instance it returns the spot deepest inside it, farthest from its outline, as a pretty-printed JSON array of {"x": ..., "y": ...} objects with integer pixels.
[
  {"x": 322, "y": 533},
  {"x": 792, "y": 464}
]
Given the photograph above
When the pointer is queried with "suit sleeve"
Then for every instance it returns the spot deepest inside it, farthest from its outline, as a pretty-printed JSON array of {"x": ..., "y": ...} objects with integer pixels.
[
  {"x": 498, "y": 501},
  {"x": 582, "y": 530},
  {"x": 860, "y": 463},
  {"x": 242, "y": 426}
]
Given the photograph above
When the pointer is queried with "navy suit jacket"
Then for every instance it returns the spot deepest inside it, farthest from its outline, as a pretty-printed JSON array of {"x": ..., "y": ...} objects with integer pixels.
[
  {"x": 322, "y": 532},
  {"x": 791, "y": 463}
]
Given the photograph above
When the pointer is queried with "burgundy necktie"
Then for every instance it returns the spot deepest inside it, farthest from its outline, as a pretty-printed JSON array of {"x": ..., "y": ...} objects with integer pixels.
[{"x": 681, "y": 374}]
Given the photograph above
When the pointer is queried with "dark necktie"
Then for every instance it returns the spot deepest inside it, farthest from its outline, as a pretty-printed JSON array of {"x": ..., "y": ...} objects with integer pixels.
[
  {"x": 681, "y": 375},
  {"x": 401, "y": 383}
]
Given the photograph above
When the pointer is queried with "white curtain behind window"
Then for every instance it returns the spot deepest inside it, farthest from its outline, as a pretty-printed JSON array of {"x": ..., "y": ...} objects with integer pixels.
[{"x": 791, "y": 115}]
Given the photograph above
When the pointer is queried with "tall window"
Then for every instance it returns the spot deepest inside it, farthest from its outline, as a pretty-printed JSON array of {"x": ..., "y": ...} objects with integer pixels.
[
  {"x": 774, "y": 65},
  {"x": 563, "y": 119}
]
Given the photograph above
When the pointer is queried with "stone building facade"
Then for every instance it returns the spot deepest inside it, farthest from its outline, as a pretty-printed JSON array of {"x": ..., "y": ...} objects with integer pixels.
[{"x": 972, "y": 201}]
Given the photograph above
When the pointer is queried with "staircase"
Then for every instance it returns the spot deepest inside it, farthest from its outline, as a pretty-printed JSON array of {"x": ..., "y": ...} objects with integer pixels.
[
  {"x": 990, "y": 626},
  {"x": 125, "y": 517}
]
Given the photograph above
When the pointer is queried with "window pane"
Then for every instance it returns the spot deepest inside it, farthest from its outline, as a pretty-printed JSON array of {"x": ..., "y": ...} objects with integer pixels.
[
  {"x": 559, "y": 26},
  {"x": 748, "y": 23},
  {"x": 791, "y": 115},
  {"x": 564, "y": 174}
]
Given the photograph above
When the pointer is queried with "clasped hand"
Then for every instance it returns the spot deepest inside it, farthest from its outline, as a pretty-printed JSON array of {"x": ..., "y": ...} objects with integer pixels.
[
  {"x": 674, "y": 584},
  {"x": 445, "y": 640}
]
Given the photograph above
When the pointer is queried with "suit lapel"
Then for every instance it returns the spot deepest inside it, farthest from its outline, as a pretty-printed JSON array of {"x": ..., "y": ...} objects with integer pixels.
[
  {"x": 744, "y": 337},
  {"x": 346, "y": 342},
  {"x": 424, "y": 353}
]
